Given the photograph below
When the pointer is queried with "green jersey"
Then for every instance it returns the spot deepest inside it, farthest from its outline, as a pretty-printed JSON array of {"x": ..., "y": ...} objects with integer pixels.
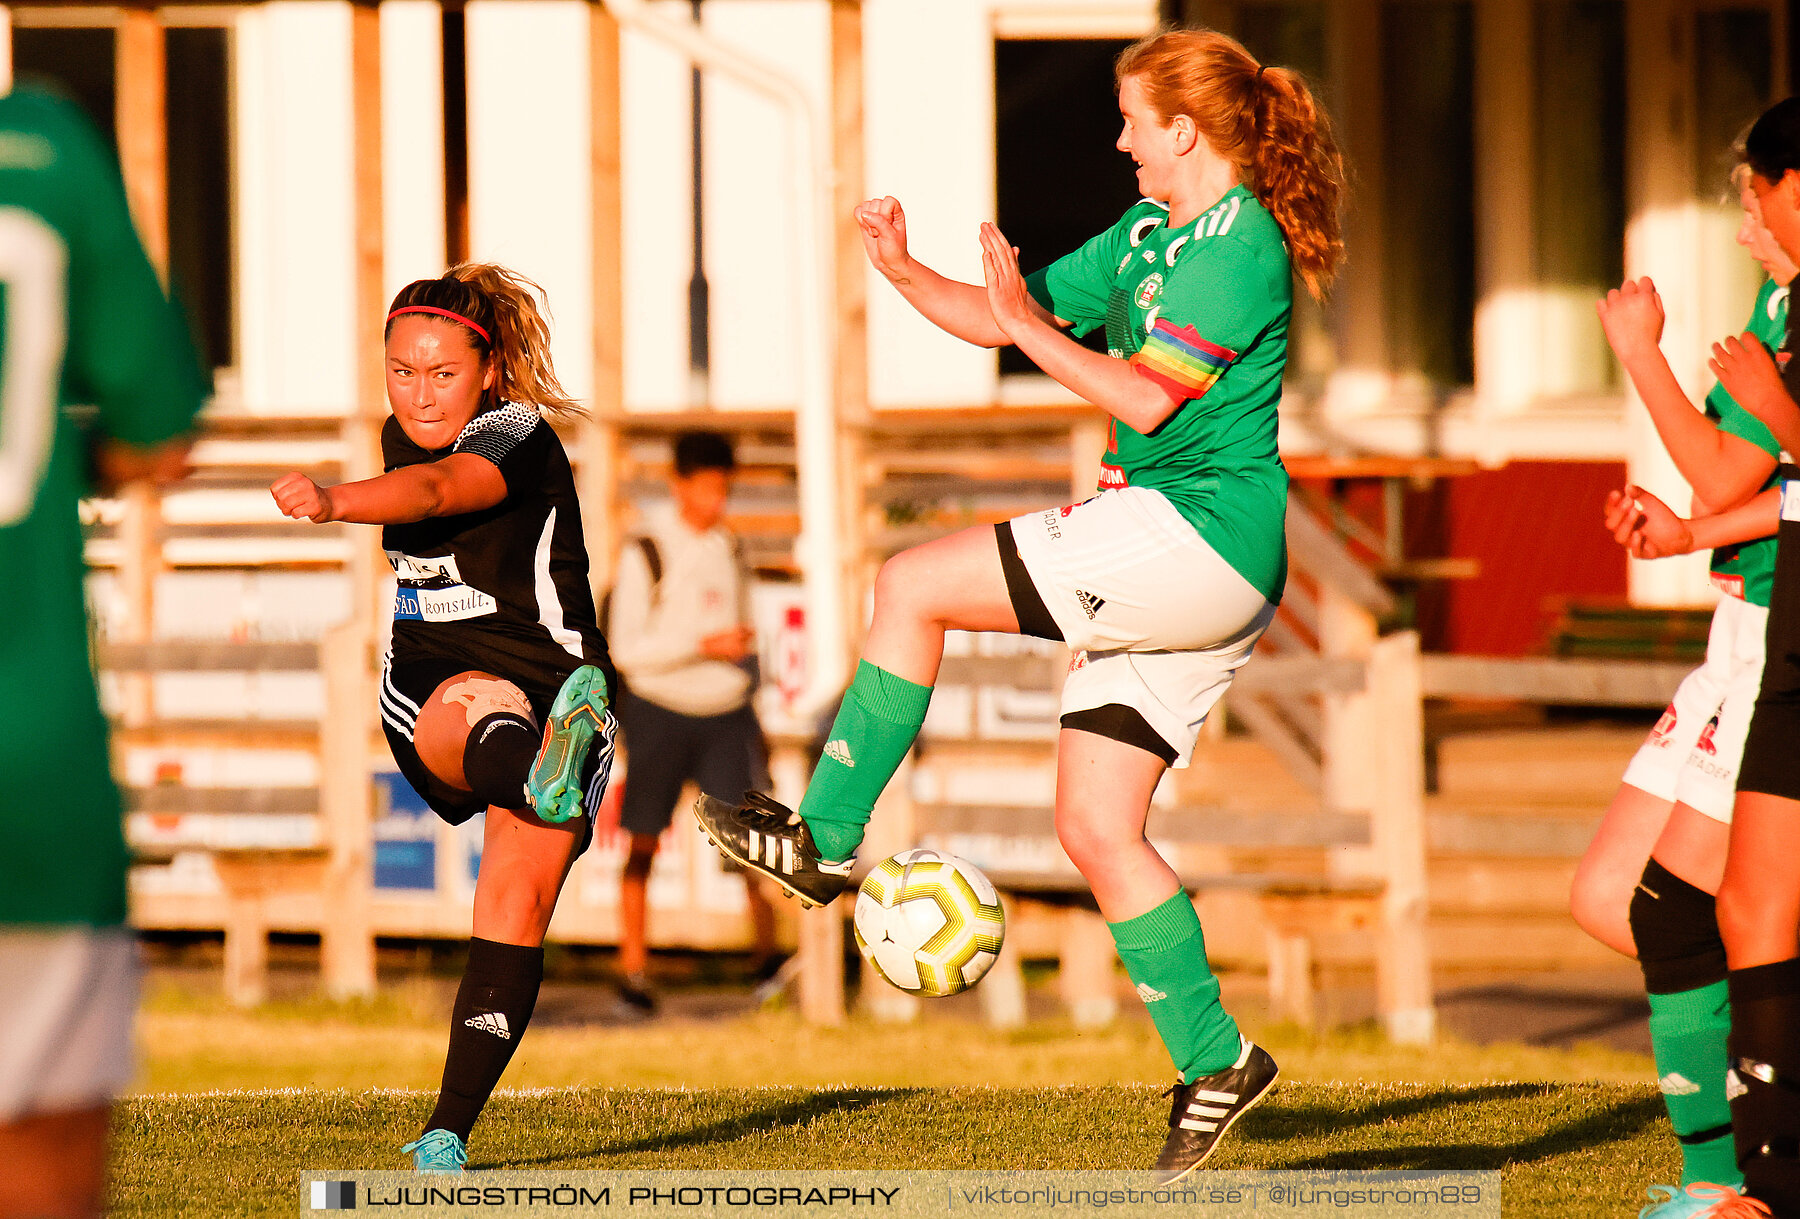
[
  {"x": 82, "y": 320},
  {"x": 1748, "y": 570},
  {"x": 1202, "y": 310}
]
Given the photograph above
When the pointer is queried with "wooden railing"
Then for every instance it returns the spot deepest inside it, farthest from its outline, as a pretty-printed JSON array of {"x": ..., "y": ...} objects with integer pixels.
[{"x": 323, "y": 845}]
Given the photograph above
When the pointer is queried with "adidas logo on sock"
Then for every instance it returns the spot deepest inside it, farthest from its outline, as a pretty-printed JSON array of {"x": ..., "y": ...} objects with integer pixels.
[
  {"x": 1145, "y": 991},
  {"x": 1090, "y": 604},
  {"x": 1677, "y": 1084},
  {"x": 839, "y": 751},
  {"x": 491, "y": 1022}
]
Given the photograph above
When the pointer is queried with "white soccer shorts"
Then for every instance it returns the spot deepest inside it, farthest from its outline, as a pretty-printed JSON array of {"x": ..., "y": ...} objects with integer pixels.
[
  {"x": 1692, "y": 755},
  {"x": 66, "y": 1013},
  {"x": 1157, "y": 621}
]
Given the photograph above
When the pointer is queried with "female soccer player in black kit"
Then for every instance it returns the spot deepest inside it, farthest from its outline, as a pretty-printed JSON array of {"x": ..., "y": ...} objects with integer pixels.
[{"x": 494, "y": 696}]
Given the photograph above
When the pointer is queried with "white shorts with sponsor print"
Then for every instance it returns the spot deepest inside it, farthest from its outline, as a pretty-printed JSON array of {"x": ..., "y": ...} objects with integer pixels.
[
  {"x": 1157, "y": 620},
  {"x": 1691, "y": 757},
  {"x": 65, "y": 1018}
]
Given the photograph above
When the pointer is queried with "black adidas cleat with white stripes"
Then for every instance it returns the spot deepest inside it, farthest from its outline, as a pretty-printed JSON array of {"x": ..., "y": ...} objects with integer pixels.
[
  {"x": 1203, "y": 1111},
  {"x": 771, "y": 839}
]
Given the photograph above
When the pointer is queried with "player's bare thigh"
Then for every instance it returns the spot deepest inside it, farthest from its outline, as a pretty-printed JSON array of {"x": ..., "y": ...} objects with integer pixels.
[
  {"x": 1693, "y": 847},
  {"x": 954, "y": 583},
  {"x": 457, "y": 705},
  {"x": 1600, "y": 897}
]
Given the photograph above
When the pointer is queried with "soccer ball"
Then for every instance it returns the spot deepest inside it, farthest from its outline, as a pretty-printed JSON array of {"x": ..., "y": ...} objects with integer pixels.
[{"x": 928, "y": 922}]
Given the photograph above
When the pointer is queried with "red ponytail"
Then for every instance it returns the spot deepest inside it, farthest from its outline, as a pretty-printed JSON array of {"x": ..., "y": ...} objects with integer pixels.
[{"x": 1265, "y": 121}]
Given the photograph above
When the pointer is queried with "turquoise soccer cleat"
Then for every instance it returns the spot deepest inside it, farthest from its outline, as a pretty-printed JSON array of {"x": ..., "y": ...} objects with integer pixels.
[
  {"x": 437, "y": 1151},
  {"x": 578, "y": 717},
  {"x": 1681, "y": 1201}
]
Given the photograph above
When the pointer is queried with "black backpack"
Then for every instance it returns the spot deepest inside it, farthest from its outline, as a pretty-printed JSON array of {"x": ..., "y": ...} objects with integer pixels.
[{"x": 652, "y": 560}]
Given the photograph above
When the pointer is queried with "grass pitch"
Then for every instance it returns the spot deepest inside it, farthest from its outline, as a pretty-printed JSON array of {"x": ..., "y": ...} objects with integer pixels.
[
  {"x": 1563, "y": 1149},
  {"x": 235, "y": 1104},
  {"x": 195, "y": 1042}
]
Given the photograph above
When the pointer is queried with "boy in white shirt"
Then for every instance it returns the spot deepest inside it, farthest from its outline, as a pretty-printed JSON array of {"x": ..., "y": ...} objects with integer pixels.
[{"x": 680, "y": 635}]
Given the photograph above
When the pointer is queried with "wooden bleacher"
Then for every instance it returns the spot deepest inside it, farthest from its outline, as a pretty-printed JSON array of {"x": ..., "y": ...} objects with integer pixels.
[
  {"x": 1334, "y": 699},
  {"x": 1611, "y": 630},
  {"x": 264, "y": 842}
]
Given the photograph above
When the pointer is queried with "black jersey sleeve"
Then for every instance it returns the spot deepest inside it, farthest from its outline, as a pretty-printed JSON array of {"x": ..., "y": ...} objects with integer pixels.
[
  {"x": 395, "y": 446},
  {"x": 515, "y": 438}
]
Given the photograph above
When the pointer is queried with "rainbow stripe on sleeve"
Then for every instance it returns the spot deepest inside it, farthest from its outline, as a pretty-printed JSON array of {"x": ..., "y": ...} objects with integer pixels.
[{"x": 1181, "y": 361}]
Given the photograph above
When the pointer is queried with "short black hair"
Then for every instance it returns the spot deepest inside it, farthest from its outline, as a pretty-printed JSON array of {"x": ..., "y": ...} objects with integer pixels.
[
  {"x": 696, "y": 451},
  {"x": 1773, "y": 145}
]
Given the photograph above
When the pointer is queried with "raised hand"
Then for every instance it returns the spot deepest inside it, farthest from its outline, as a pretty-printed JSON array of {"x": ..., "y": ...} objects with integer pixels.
[
  {"x": 1008, "y": 299},
  {"x": 1747, "y": 371},
  {"x": 1632, "y": 316},
  {"x": 1645, "y": 526},
  {"x": 883, "y": 225},
  {"x": 299, "y": 496}
]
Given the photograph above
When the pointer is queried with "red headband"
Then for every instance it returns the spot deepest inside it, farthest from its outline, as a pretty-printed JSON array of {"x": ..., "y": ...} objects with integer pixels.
[{"x": 455, "y": 317}]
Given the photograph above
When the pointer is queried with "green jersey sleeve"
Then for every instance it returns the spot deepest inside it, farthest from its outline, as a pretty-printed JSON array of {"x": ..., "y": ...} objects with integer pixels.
[
  {"x": 129, "y": 353},
  {"x": 1734, "y": 420},
  {"x": 1078, "y": 286},
  {"x": 1215, "y": 308}
]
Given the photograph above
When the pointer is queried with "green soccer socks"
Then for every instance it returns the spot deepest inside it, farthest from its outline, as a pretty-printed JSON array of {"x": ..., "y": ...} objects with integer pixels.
[
  {"x": 1165, "y": 955},
  {"x": 877, "y": 724},
  {"x": 1687, "y": 1035}
]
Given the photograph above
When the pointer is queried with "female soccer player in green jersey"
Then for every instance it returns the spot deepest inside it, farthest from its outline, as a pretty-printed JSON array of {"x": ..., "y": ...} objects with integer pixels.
[
  {"x": 1646, "y": 885},
  {"x": 495, "y": 694},
  {"x": 1160, "y": 584},
  {"x": 1758, "y": 902},
  {"x": 85, "y": 322}
]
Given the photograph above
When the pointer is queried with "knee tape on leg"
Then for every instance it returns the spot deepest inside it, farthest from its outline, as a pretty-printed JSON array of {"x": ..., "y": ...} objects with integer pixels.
[{"x": 1676, "y": 929}]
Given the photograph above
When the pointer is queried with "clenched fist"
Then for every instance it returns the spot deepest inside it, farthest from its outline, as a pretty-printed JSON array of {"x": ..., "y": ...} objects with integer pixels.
[
  {"x": 1632, "y": 316},
  {"x": 299, "y": 496},
  {"x": 883, "y": 226}
]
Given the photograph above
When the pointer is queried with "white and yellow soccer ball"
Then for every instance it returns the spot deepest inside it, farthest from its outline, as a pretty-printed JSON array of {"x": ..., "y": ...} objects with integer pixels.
[{"x": 928, "y": 922}]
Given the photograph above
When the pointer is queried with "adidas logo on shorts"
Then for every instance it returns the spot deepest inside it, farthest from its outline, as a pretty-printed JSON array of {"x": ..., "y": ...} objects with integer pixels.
[
  {"x": 1677, "y": 1084},
  {"x": 839, "y": 751},
  {"x": 491, "y": 1022},
  {"x": 1148, "y": 993},
  {"x": 1090, "y": 604}
]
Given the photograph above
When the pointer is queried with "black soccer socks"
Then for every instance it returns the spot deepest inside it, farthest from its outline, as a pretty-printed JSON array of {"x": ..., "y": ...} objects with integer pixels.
[
  {"x": 493, "y": 1006},
  {"x": 1765, "y": 1081},
  {"x": 498, "y": 756}
]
